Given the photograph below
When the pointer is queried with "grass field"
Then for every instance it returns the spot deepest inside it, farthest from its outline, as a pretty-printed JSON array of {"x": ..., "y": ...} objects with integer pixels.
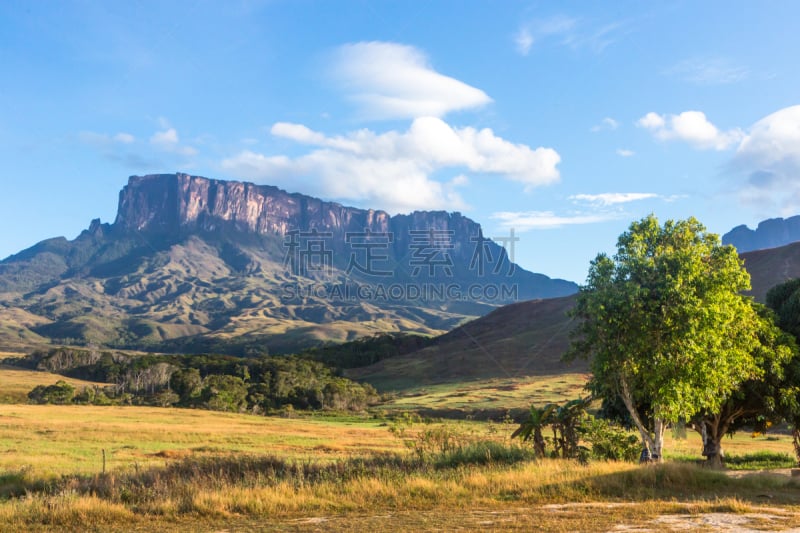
[
  {"x": 56, "y": 440},
  {"x": 184, "y": 469},
  {"x": 496, "y": 395},
  {"x": 15, "y": 384}
]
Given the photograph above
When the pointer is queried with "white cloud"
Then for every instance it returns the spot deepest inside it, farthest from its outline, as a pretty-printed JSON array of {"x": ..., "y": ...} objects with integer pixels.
[
  {"x": 597, "y": 208},
  {"x": 124, "y": 138},
  {"x": 709, "y": 71},
  {"x": 624, "y": 152},
  {"x": 613, "y": 198},
  {"x": 391, "y": 81},
  {"x": 165, "y": 139},
  {"x": 168, "y": 141},
  {"x": 769, "y": 157},
  {"x": 534, "y": 31},
  {"x": 607, "y": 123},
  {"x": 651, "y": 121},
  {"x": 296, "y": 132},
  {"x": 98, "y": 139},
  {"x": 692, "y": 127},
  {"x": 527, "y": 220},
  {"x": 565, "y": 31},
  {"x": 524, "y": 40},
  {"x": 393, "y": 170}
]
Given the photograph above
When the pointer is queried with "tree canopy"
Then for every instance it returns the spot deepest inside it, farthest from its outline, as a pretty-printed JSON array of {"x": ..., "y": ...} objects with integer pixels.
[{"x": 665, "y": 325}]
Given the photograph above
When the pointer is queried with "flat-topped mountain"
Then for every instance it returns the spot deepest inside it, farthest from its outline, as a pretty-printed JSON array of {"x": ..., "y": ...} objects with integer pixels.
[
  {"x": 192, "y": 263},
  {"x": 770, "y": 233}
]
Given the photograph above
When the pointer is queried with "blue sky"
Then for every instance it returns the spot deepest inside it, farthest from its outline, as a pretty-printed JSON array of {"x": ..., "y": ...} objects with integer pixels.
[{"x": 564, "y": 121}]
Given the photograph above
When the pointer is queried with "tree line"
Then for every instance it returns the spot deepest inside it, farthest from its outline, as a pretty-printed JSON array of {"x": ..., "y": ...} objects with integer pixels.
[{"x": 226, "y": 383}]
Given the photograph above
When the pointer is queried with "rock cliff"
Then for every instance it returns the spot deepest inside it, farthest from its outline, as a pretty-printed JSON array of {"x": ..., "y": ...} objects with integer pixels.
[{"x": 770, "y": 233}]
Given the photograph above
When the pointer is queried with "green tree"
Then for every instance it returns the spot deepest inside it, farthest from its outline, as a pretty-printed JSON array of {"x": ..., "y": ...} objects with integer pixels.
[
  {"x": 224, "y": 393},
  {"x": 784, "y": 299},
  {"x": 757, "y": 402},
  {"x": 665, "y": 325},
  {"x": 186, "y": 383}
]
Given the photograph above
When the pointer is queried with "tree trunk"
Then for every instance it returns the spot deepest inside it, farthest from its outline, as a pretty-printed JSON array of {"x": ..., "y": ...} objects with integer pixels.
[
  {"x": 712, "y": 431},
  {"x": 647, "y": 439},
  {"x": 712, "y": 450},
  {"x": 658, "y": 439}
]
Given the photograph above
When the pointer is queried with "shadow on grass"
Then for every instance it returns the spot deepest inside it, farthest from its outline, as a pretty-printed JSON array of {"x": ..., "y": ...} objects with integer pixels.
[{"x": 678, "y": 482}]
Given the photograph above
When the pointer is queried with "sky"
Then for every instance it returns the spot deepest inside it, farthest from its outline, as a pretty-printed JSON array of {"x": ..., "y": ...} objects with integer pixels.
[{"x": 564, "y": 121}]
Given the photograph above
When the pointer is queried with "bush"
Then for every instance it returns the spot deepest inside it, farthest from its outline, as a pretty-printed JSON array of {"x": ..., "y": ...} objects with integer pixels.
[
  {"x": 61, "y": 393},
  {"x": 482, "y": 452},
  {"x": 609, "y": 442}
]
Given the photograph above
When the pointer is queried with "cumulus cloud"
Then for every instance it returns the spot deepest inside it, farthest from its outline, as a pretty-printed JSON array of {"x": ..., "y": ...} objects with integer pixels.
[
  {"x": 392, "y": 81},
  {"x": 393, "y": 170},
  {"x": 528, "y": 220},
  {"x": 769, "y": 158},
  {"x": 167, "y": 140},
  {"x": 692, "y": 127}
]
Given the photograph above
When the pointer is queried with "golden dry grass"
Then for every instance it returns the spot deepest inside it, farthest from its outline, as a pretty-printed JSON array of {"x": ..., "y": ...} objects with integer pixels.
[
  {"x": 15, "y": 383},
  {"x": 54, "y": 440},
  {"x": 493, "y": 394},
  {"x": 548, "y": 496}
]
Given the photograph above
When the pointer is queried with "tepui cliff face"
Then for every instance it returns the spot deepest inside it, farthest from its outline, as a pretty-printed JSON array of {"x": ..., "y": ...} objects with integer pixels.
[
  {"x": 179, "y": 202},
  {"x": 184, "y": 204},
  {"x": 770, "y": 233},
  {"x": 191, "y": 260}
]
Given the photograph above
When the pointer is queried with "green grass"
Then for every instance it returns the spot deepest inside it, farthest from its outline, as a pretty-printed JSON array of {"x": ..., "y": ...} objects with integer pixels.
[
  {"x": 495, "y": 395},
  {"x": 760, "y": 460}
]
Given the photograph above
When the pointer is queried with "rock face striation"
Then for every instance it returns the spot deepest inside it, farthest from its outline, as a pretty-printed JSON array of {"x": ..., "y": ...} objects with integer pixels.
[
  {"x": 178, "y": 205},
  {"x": 171, "y": 203},
  {"x": 770, "y": 233},
  {"x": 195, "y": 258}
]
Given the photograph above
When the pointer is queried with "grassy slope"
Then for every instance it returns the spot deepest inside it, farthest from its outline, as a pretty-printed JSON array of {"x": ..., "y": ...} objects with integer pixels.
[
  {"x": 190, "y": 289},
  {"x": 529, "y": 338},
  {"x": 493, "y": 397},
  {"x": 15, "y": 384},
  {"x": 770, "y": 267},
  {"x": 522, "y": 339}
]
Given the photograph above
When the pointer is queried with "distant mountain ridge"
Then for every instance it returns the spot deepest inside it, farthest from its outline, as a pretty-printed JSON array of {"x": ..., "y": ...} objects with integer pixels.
[
  {"x": 770, "y": 233},
  {"x": 192, "y": 262}
]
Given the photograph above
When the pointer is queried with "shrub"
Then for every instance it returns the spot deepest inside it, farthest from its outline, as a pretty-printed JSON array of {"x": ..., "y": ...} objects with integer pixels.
[{"x": 609, "y": 442}]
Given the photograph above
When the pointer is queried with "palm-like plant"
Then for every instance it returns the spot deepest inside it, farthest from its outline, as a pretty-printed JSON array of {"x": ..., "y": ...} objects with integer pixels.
[{"x": 532, "y": 428}]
